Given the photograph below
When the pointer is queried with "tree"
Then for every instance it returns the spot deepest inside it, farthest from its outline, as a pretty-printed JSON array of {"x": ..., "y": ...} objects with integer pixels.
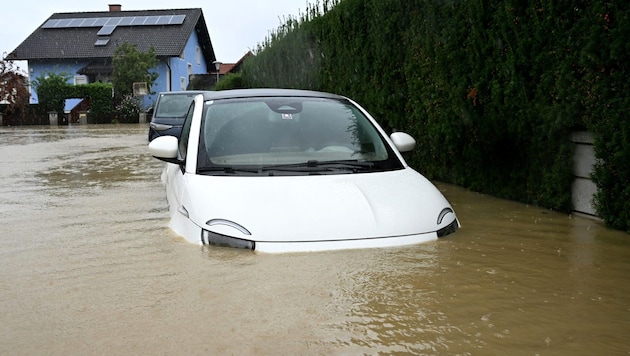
[
  {"x": 52, "y": 89},
  {"x": 131, "y": 66},
  {"x": 13, "y": 88}
]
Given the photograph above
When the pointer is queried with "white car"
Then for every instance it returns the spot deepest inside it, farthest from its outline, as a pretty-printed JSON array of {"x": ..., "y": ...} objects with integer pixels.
[{"x": 278, "y": 170}]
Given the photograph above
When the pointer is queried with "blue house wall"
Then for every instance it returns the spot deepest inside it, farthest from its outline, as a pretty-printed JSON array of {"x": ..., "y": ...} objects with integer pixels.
[
  {"x": 41, "y": 68},
  {"x": 173, "y": 73}
]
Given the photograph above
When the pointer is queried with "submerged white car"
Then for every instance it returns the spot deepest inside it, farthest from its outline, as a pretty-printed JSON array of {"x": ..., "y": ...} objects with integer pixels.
[{"x": 277, "y": 170}]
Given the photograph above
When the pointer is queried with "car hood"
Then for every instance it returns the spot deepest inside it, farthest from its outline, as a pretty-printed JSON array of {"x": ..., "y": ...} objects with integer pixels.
[{"x": 316, "y": 208}]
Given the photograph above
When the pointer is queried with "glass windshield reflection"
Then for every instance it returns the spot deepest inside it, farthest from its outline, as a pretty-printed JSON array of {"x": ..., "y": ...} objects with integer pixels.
[{"x": 263, "y": 133}]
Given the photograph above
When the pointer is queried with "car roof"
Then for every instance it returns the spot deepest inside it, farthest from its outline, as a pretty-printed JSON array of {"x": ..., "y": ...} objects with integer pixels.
[
  {"x": 181, "y": 92},
  {"x": 250, "y": 93}
]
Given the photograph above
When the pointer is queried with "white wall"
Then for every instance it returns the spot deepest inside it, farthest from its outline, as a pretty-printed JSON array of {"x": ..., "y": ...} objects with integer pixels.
[{"x": 583, "y": 189}]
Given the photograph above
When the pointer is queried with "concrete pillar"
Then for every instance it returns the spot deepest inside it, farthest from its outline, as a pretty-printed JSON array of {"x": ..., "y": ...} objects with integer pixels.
[
  {"x": 53, "y": 118},
  {"x": 83, "y": 117},
  {"x": 583, "y": 188}
]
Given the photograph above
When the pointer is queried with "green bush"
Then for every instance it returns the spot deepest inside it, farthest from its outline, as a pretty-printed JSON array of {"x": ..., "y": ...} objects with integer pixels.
[
  {"x": 52, "y": 90},
  {"x": 230, "y": 81},
  {"x": 128, "y": 109},
  {"x": 490, "y": 89}
]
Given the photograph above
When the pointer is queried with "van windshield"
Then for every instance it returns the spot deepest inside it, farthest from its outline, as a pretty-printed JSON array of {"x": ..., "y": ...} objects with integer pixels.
[{"x": 173, "y": 105}]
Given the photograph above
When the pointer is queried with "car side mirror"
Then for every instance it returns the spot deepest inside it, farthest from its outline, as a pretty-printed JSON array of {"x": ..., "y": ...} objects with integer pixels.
[
  {"x": 165, "y": 148},
  {"x": 403, "y": 141}
]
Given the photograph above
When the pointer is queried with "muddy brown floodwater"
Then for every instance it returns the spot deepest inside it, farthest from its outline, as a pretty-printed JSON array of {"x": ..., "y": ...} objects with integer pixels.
[{"x": 89, "y": 266}]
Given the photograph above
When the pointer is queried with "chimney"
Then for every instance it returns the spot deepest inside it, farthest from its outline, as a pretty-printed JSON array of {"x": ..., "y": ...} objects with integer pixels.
[{"x": 114, "y": 7}]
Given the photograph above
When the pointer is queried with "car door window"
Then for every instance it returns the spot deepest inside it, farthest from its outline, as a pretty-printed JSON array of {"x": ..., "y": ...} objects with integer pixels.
[{"x": 185, "y": 134}]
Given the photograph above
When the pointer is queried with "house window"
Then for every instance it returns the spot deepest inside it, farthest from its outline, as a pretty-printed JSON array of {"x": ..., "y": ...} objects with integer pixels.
[
  {"x": 101, "y": 41},
  {"x": 182, "y": 83},
  {"x": 198, "y": 56},
  {"x": 190, "y": 69}
]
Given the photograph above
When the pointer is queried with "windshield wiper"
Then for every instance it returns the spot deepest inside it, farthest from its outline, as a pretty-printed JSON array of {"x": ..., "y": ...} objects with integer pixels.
[
  {"x": 321, "y": 166},
  {"x": 312, "y": 166},
  {"x": 227, "y": 170}
]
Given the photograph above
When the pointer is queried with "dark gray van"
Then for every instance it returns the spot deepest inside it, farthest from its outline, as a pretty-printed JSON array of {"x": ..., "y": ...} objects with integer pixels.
[{"x": 169, "y": 113}]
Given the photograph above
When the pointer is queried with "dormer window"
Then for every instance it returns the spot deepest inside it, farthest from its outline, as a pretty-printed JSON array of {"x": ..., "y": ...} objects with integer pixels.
[{"x": 101, "y": 41}]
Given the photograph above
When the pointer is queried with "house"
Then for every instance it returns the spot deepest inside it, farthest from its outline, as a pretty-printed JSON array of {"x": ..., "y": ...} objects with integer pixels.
[
  {"x": 83, "y": 44},
  {"x": 205, "y": 81}
]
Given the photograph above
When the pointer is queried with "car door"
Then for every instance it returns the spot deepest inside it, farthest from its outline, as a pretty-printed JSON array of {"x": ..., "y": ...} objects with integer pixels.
[{"x": 186, "y": 153}]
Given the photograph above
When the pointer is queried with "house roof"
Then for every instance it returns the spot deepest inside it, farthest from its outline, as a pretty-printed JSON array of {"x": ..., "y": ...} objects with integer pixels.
[
  {"x": 226, "y": 68},
  {"x": 237, "y": 66},
  {"x": 89, "y": 35}
]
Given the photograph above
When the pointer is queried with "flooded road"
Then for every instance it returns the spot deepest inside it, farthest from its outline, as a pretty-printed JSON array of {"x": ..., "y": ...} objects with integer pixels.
[{"x": 90, "y": 267}]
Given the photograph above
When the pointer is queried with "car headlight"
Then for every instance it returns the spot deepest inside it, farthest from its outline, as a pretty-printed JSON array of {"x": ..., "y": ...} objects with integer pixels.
[
  {"x": 212, "y": 238},
  {"x": 450, "y": 228}
]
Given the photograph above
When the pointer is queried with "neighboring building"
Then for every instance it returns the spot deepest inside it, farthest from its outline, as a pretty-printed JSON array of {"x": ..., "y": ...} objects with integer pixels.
[
  {"x": 82, "y": 44},
  {"x": 207, "y": 81},
  {"x": 233, "y": 67}
]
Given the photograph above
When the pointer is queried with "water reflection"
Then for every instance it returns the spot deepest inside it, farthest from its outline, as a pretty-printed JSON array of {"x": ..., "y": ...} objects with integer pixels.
[
  {"x": 89, "y": 266},
  {"x": 392, "y": 304}
]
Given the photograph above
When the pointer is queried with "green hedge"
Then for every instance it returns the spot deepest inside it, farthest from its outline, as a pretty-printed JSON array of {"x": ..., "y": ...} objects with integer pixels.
[
  {"x": 490, "y": 89},
  {"x": 230, "y": 81},
  {"x": 100, "y": 95},
  {"x": 53, "y": 89}
]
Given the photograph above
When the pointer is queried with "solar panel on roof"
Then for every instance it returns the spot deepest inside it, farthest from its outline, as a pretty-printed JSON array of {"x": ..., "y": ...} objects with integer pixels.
[
  {"x": 113, "y": 21},
  {"x": 50, "y": 24},
  {"x": 163, "y": 20},
  {"x": 75, "y": 23},
  {"x": 151, "y": 20},
  {"x": 106, "y": 30},
  {"x": 126, "y": 21},
  {"x": 178, "y": 19},
  {"x": 108, "y": 24},
  {"x": 138, "y": 21},
  {"x": 63, "y": 23},
  {"x": 100, "y": 21},
  {"x": 88, "y": 22}
]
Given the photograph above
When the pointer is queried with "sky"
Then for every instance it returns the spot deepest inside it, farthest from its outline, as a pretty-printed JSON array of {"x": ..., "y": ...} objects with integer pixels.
[{"x": 235, "y": 26}]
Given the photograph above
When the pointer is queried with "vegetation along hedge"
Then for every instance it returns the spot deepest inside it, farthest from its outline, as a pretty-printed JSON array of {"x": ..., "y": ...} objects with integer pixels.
[{"x": 490, "y": 89}]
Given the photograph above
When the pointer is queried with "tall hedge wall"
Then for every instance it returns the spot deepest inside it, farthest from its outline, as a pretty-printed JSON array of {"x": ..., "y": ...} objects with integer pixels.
[{"x": 490, "y": 89}]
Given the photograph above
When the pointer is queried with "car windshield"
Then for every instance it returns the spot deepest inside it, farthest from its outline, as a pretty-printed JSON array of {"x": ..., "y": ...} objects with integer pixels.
[
  {"x": 173, "y": 105},
  {"x": 290, "y": 135}
]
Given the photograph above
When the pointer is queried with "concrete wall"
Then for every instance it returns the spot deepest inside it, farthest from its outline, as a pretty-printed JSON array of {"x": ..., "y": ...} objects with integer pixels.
[{"x": 583, "y": 188}]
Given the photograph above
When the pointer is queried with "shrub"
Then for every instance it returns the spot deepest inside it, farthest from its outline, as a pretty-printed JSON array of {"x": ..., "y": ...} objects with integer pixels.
[
  {"x": 128, "y": 109},
  {"x": 230, "y": 81}
]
